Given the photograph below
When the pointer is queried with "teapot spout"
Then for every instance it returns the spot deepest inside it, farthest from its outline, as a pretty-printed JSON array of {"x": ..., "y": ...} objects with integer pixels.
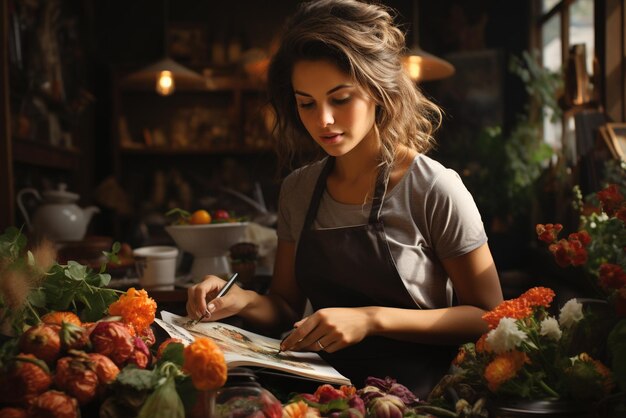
[{"x": 89, "y": 211}]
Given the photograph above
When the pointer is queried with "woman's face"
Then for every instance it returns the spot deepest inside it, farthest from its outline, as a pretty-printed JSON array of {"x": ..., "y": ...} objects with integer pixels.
[{"x": 337, "y": 113}]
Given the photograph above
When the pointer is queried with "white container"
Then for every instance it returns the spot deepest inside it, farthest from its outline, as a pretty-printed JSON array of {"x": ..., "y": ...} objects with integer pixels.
[
  {"x": 156, "y": 267},
  {"x": 209, "y": 244}
]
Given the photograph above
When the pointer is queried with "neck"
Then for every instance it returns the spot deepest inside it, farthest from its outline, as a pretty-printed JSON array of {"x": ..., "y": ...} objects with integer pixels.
[{"x": 362, "y": 160}]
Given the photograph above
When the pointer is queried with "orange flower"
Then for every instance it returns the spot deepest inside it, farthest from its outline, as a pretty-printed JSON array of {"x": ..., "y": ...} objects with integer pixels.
[
  {"x": 512, "y": 308},
  {"x": 460, "y": 357},
  {"x": 482, "y": 346},
  {"x": 539, "y": 296},
  {"x": 602, "y": 370},
  {"x": 349, "y": 391},
  {"x": 59, "y": 317},
  {"x": 504, "y": 367},
  {"x": 136, "y": 309},
  {"x": 299, "y": 410},
  {"x": 204, "y": 361}
]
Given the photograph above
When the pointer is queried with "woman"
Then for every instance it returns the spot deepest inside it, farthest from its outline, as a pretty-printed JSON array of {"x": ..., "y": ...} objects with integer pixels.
[{"x": 376, "y": 235}]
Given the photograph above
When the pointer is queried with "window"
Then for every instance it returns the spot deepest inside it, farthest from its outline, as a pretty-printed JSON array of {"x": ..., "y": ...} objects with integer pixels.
[{"x": 562, "y": 24}]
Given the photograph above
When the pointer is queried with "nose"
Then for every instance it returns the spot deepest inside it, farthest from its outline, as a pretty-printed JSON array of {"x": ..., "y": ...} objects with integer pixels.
[{"x": 325, "y": 116}]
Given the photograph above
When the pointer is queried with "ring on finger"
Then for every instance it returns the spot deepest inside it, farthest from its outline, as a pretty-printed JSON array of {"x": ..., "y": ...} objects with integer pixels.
[{"x": 319, "y": 344}]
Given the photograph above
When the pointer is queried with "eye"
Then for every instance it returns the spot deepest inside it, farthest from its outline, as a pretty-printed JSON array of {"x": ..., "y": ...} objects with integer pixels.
[
  {"x": 305, "y": 105},
  {"x": 341, "y": 100}
]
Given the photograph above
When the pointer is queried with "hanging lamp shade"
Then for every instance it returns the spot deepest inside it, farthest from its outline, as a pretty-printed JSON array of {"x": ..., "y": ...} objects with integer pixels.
[
  {"x": 165, "y": 76},
  {"x": 421, "y": 65}
]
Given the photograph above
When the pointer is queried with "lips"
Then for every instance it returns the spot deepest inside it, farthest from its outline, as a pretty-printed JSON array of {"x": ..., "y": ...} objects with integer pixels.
[{"x": 331, "y": 137}]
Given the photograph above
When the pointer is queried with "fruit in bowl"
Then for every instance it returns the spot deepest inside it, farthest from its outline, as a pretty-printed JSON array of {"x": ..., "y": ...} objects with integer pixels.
[
  {"x": 209, "y": 244},
  {"x": 201, "y": 217}
]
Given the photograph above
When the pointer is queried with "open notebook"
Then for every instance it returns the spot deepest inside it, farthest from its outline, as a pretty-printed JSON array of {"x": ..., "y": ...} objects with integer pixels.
[{"x": 245, "y": 348}]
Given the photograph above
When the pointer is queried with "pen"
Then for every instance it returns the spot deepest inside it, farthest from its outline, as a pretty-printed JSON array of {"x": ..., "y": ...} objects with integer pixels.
[
  {"x": 283, "y": 340},
  {"x": 221, "y": 293}
]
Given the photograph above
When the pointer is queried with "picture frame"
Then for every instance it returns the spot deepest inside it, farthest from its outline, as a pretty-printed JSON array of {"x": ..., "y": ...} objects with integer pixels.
[{"x": 617, "y": 134}]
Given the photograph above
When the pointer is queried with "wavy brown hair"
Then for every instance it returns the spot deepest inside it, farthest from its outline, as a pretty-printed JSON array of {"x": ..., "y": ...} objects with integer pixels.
[{"x": 362, "y": 40}]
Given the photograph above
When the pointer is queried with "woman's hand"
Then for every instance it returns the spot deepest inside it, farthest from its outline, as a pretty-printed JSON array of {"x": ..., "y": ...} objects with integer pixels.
[
  {"x": 330, "y": 329},
  {"x": 201, "y": 299}
]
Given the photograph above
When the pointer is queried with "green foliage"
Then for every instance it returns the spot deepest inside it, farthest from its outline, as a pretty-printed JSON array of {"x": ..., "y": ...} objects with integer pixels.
[
  {"x": 73, "y": 286},
  {"x": 617, "y": 349},
  {"x": 502, "y": 169},
  {"x": 541, "y": 84}
]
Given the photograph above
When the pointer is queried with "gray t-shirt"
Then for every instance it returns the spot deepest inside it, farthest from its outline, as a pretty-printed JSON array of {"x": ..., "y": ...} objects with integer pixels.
[{"x": 428, "y": 216}]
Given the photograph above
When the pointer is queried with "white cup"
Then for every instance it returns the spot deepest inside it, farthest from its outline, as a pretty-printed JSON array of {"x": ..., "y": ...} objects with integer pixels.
[{"x": 156, "y": 267}]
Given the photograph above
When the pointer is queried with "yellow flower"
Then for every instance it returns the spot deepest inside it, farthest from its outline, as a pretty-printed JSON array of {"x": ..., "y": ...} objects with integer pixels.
[
  {"x": 299, "y": 410},
  {"x": 504, "y": 367},
  {"x": 136, "y": 308},
  {"x": 204, "y": 361}
]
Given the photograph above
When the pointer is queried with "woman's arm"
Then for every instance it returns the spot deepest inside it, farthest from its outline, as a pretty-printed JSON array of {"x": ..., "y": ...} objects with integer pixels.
[
  {"x": 270, "y": 313},
  {"x": 477, "y": 288},
  {"x": 285, "y": 302}
]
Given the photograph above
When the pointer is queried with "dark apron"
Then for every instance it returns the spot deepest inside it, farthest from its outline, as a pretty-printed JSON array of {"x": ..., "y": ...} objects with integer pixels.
[{"x": 352, "y": 267}]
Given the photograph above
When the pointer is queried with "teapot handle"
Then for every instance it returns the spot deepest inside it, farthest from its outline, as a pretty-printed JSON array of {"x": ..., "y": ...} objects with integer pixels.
[{"x": 20, "y": 204}]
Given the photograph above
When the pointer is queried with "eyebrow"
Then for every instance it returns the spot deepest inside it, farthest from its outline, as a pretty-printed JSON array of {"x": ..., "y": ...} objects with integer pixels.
[{"x": 331, "y": 91}]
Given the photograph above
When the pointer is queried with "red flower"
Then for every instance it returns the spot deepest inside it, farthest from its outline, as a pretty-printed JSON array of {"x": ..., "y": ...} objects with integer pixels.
[
  {"x": 548, "y": 232},
  {"x": 612, "y": 276},
  {"x": 326, "y": 393},
  {"x": 582, "y": 236},
  {"x": 571, "y": 251},
  {"x": 611, "y": 199}
]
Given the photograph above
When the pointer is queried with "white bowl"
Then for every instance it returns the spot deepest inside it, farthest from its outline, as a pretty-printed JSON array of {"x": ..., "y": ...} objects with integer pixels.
[{"x": 209, "y": 245}]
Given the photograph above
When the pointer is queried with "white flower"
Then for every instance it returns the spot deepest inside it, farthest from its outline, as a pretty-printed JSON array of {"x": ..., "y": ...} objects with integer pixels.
[
  {"x": 506, "y": 336},
  {"x": 550, "y": 328},
  {"x": 571, "y": 313}
]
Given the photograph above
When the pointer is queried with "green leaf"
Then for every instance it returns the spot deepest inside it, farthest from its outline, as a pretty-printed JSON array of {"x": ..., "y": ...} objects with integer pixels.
[
  {"x": 37, "y": 298},
  {"x": 187, "y": 392},
  {"x": 139, "y": 379},
  {"x": 76, "y": 271},
  {"x": 173, "y": 353},
  {"x": 617, "y": 348},
  {"x": 12, "y": 242},
  {"x": 164, "y": 402},
  {"x": 99, "y": 280}
]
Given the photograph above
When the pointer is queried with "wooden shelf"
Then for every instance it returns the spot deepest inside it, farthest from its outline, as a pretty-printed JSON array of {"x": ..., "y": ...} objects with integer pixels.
[
  {"x": 210, "y": 84},
  {"x": 165, "y": 151},
  {"x": 35, "y": 153}
]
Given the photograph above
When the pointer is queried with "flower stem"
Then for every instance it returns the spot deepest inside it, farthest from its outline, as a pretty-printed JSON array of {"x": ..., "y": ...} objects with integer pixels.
[{"x": 548, "y": 389}]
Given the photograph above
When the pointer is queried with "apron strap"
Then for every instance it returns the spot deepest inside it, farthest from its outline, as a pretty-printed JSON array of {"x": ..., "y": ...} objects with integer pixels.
[
  {"x": 317, "y": 193},
  {"x": 380, "y": 190}
]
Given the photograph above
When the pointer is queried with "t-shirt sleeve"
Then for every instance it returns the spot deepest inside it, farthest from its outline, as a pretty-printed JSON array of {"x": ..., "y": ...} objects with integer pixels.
[
  {"x": 456, "y": 227},
  {"x": 284, "y": 225}
]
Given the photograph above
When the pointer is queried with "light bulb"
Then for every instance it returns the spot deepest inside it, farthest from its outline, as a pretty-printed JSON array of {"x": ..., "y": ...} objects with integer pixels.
[
  {"x": 413, "y": 65},
  {"x": 165, "y": 83}
]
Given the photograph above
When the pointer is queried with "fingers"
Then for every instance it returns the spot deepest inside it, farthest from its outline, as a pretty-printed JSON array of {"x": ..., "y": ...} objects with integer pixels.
[
  {"x": 307, "y": 332},
  {"x": 198, "y": 294}
]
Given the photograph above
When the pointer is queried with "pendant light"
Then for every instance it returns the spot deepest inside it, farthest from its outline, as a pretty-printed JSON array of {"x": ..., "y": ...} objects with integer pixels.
[
  {"x": 421, "y": 65},
  {"x": 166, "y": 75}
]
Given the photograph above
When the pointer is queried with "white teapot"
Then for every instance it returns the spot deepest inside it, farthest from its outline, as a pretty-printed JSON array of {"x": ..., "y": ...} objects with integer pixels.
[{"x": 58, "y": 217}]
